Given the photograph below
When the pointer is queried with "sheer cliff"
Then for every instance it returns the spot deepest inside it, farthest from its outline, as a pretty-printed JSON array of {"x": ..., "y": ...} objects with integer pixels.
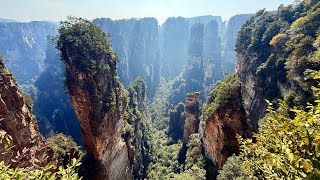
[
  {"x": 136, "y": 41},
  {"x": 224, "y": 119},
  {"x": 275, "y": 53}
]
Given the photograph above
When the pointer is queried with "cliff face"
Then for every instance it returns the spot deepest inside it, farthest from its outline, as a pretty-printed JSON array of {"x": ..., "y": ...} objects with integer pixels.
[
  {"x": 192, "y": 78},
  {"x": 17, "y": 120},
  {"x": 192, "y": 119},
  {"x": 136, "y": 128},
  {"x": 229, "y": 38},
  {"x": 274, "y": 52},
  {"x": 212, "y": 55},
  {"x": 175, "y": 38},
  {"x": 30, "y": 54},
  {"x": 224, "y": 119},
  {"x": 97, "y": 96},
  {"x": 145, "y": 49},
  {"x": 137, "y": 44},
  {"x": 174, "y": 45},
  {"x": 184, "y": 122},
  {"x": 253, "y": 102},
  {"x": 24, "y": 45}
]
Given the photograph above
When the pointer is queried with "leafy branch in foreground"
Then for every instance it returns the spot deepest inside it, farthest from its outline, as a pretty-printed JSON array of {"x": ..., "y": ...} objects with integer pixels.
[{"x": 286, "y": 147}]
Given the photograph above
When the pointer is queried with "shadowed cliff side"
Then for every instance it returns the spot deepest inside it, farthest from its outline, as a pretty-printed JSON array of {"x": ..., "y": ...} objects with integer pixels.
[{"x": 96, "y": 94}]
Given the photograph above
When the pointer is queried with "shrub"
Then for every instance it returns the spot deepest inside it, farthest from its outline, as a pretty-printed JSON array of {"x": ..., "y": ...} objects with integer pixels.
[
  {"x": 65, "y": 149},
  {"x": 231, "y": 170},
  {"x": 28, "y": 100},
  {"x": 218, "y": 97}
]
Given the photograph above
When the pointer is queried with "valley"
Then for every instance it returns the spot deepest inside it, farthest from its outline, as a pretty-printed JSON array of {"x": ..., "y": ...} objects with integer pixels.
[{"x": 192, "y": 98}]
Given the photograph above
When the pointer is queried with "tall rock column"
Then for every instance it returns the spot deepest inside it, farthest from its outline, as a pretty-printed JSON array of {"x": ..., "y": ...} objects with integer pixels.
[
  {"x": 192, "y": 121},
  {"x": 97, "y": 96},
  {"x": 194, "y": 73},
  {"x": 212, "y": 56}
]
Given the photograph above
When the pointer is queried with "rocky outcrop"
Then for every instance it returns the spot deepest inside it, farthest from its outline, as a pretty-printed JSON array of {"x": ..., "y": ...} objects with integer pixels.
[
  {"x": 175, "y": 38},
  {"x": 204, "y": 20},
  {"x": 194, "y": 71},
  {"x": 174, "y": 45},
  {"x": 136, "y": 128},
  {"x": 224, "y": 119},
  {"x": 212, "y": 55},
  {"x": 97, "y": 96},
  {"x": 17, "y": 121},
  {"x": 192, "y": 116}
]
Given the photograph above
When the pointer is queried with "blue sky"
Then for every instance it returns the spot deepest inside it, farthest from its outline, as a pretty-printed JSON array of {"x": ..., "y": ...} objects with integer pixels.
[{"x": 56, "y": 10}]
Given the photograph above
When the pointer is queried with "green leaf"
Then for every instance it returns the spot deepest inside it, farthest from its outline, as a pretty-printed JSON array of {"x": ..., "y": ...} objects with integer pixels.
[{"x": 307, "y": 165}]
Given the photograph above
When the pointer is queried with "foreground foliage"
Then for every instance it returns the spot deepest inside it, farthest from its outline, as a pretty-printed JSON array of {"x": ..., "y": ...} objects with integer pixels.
[
  {"x": 65, "y": 149},
  {"x": 45, "y": 173},
  {"x": 49, "y": 172},
  {"x": 285, "y": 147}
]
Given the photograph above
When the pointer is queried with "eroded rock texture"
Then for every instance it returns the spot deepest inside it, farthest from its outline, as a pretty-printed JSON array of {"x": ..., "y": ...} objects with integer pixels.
[
  {"x": 16, "y": 120},
  {"x": 223, "y": 121}
]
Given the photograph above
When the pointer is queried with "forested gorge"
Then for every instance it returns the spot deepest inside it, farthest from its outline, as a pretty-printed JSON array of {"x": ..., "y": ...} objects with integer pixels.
[{"x": 164, "y": 102}]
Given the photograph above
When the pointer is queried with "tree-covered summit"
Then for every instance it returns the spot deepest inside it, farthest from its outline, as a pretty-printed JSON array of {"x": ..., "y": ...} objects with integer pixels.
[{"x": 85, "y": 43}]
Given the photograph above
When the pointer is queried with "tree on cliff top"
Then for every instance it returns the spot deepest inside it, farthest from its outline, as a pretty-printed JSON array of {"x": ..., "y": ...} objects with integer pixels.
[{"x": 85, "y": 43}]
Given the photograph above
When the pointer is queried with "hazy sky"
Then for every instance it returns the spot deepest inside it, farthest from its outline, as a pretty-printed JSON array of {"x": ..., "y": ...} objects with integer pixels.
[{"x": 56, "y": 10}]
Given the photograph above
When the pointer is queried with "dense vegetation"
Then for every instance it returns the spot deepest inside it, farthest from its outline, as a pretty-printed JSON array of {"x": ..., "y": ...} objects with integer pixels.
[
  {"x": 281, "y": 46},
  {"x": 286, "y": 146},
  {"x": 65, "y": 149},
  {"x": 86, "y": 42},
  {"x": 48, "y": 172},
  {"x": 219, "y": 96},
  {"x": 284, "y": 47},
  {"x": 136, "y": 128},
  {"x": 166, "y": 147},
  {"x": 284, "y": 51}
]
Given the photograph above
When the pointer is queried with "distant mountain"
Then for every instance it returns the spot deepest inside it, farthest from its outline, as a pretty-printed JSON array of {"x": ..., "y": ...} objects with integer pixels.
[
  {"x": 144, "y": 48},
  {"x": 7, "y": 20}
]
